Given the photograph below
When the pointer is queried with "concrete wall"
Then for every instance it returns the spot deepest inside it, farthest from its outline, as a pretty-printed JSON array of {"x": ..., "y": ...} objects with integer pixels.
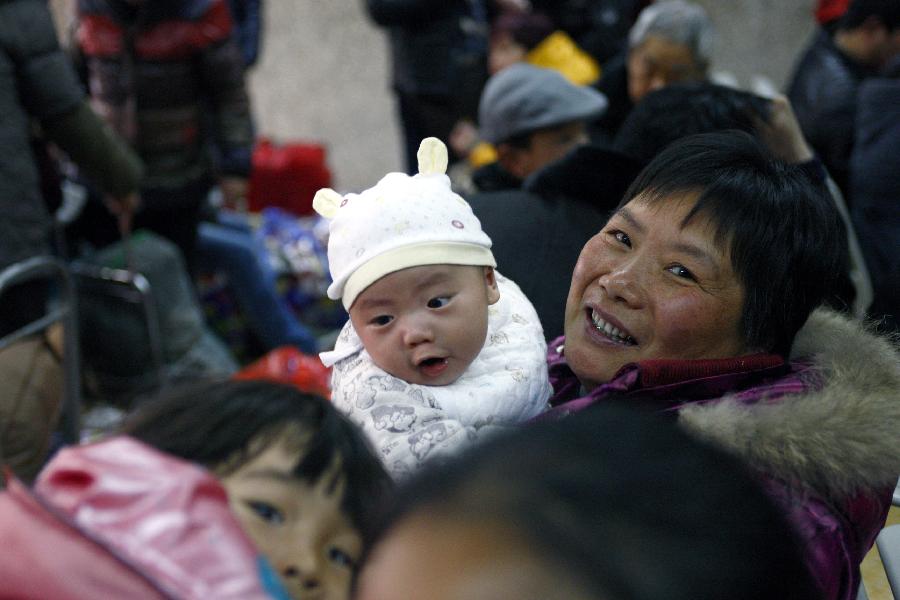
[
  {"x": 324, "y": 76},
  {"x": 759, "y": 37}
]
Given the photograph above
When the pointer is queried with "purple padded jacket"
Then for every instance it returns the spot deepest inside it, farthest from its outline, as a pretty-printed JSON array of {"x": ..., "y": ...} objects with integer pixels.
[{"x": 821, "y": 430}]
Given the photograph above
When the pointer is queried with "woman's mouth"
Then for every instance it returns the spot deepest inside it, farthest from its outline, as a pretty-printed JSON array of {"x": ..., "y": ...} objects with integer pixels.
[
  {"x": 610, "y": 331},
  {"x": 434, "y": 366}
]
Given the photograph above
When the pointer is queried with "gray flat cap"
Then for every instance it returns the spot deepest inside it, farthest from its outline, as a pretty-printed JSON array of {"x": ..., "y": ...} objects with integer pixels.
[{"x": 522, "y": 98}]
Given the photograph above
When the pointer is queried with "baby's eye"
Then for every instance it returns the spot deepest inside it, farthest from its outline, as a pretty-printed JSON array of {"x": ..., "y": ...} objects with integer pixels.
[
  {"x": 266, "y": 512},
  {"x": 381, "y": 320},
  {"x": 439, "y": 302},
  {"x": 341, "y": 558},
  {"x": 621, "y": 237},
  {"x": 681, "y": 271}
]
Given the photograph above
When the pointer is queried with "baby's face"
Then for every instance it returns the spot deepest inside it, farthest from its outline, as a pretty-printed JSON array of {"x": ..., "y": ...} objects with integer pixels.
[{"x": 426, "y": 324}]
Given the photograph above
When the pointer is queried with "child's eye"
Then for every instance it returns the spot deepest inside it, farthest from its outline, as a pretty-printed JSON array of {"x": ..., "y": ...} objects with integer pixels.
[
  {"x": 381, "y": 320},
  {"x": 681, "y": 271},
  {"x": 621, "y": 237},
  {"x": 439, "y": 302},
  {"x": 341, "y": 558},
  {"x": 266, "y": 512}
]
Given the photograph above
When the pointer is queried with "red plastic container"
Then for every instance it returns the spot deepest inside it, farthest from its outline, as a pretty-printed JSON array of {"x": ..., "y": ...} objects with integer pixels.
[{"x": 287, "y": 176}]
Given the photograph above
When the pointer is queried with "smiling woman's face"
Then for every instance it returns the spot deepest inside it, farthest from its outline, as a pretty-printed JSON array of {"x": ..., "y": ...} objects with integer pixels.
[
  {"x": 646, "y": 287},
  {"x": 298, "y": 526}
]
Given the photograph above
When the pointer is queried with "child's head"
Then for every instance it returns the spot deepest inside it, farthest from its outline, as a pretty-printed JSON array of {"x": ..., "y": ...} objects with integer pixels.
[
  {"x": 607, "y": 503},
  {"x": 300, "y": 478},
  {"x": 414, "y": 270}
]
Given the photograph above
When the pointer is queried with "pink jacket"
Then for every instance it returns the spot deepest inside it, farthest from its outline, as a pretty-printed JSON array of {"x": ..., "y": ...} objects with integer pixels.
[{"x": 117, "y": 519}]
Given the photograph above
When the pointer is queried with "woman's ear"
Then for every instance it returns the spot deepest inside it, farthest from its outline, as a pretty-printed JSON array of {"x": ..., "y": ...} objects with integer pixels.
[{"x": 490, "y": 280}]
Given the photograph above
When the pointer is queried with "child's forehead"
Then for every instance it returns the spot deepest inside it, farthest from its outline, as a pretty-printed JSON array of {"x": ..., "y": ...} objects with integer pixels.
[{"x": 405, "y": 282}]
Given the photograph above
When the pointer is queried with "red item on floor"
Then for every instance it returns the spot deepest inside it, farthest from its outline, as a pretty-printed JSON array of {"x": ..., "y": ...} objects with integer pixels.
[
  {"x": 830, "y": 10},
  {"x": 287, "y": 176},
  {"x": 288, "y": 365}
]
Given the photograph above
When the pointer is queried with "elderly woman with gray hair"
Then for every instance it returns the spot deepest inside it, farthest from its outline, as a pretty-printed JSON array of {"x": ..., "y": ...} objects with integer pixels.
[{"x": 671, "y": 41}]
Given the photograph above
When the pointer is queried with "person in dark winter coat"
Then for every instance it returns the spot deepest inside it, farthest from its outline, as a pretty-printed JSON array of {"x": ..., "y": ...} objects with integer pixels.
[
  {"x": 698, "y": 299},
  {"x": 825, "y": 82},
  {"x": 38, "y": 85},
  {"x": 875, "y": 186},
  {"x": 168, "y": 75},
  {"x": 439, "y": 63},
  {"x": 600, "y": 27}
]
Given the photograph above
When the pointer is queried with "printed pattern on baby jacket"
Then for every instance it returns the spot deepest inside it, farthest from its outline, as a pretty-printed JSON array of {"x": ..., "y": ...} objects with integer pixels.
[{"x": 507, "y": 383}]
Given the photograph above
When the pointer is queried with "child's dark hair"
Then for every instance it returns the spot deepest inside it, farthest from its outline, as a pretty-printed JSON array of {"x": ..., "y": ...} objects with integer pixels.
[
  {"x": 624, "y": 503},
  {"x": 224, "y": 424},
  {"x": 784, "y": 236}
]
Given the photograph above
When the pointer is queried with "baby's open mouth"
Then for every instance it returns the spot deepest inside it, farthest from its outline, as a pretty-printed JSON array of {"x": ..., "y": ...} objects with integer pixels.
[
  {"x": 433, "y": 366},
  {"x": 609, "y": 330}
]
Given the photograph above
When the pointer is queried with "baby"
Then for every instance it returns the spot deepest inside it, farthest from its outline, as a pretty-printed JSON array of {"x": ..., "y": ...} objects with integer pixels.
[{"x": 440, "y": 349}]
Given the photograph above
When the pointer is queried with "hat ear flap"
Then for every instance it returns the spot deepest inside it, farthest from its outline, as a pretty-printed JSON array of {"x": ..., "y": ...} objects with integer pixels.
[
  {"x": 326, "y": 202},
  {"x": 432, "y": 157}
]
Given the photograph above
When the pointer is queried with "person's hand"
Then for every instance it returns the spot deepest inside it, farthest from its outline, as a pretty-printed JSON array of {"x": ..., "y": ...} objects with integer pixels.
[
  {"x": 463, "y": 137},
  {"x": 123, "y": 208},
  {"x": 520, "y": 6},
  {"x": 234, "y": 193},
  {"x": 782, "y": 133}
]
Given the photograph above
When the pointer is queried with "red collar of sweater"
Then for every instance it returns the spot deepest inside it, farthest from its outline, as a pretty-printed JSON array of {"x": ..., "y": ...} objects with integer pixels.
[{"x": 659, "y": 372}]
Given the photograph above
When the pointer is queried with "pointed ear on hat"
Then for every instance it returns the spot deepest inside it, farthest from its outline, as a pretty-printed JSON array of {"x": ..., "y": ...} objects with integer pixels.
[
  {"x": 432, "y": 156},
  {"x": 326, "y": 202}
]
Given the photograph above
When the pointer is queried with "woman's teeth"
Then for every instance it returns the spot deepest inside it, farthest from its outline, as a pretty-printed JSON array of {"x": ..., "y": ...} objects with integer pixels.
[{"x": 610, "y": 330}]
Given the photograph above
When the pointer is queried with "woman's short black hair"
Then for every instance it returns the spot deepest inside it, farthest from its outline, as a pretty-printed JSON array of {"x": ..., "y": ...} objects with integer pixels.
[
  {"x": 222, "y": 424},
  {"x": 783, "y": 234},
  {"x": 623, "y": 503}
]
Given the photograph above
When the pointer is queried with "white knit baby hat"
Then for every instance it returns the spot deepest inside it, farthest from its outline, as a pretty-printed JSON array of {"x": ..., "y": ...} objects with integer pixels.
[{"x": 399, "y": 223}]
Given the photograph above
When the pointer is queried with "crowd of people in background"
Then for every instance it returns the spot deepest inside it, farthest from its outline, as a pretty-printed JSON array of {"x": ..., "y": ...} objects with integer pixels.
[{"x": 611, "y": 328}]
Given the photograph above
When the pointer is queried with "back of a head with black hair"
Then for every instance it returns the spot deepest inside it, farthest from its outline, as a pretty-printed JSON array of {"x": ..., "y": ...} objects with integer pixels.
[
  {"x": 785, "y": 239},
  {"x": 224, "y": 424},
  {"x": 623, "y": 503},
  {"x": 858, "y": 11},
  {"x": 682, "y": 109},
  {"x": 526, "y": 29}
]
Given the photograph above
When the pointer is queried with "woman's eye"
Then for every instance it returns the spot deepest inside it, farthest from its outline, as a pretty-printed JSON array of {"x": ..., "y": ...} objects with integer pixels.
[
  {"x": 621, "y": 237},
  {"x": 438, "y": 302},
  {"x": 381, "y": 320},
  {"x": 681, "y": 271},
  {"x": 266, "y": 512},
  {"x": 341, "y": 558}
]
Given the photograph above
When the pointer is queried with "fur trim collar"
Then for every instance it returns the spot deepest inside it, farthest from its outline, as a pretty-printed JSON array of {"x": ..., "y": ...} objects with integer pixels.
[{"x": 838, "y": 439}]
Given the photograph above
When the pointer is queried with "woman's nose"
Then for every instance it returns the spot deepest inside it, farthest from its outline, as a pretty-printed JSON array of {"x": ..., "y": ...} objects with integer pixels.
[{"x": 621, "y": 284}]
